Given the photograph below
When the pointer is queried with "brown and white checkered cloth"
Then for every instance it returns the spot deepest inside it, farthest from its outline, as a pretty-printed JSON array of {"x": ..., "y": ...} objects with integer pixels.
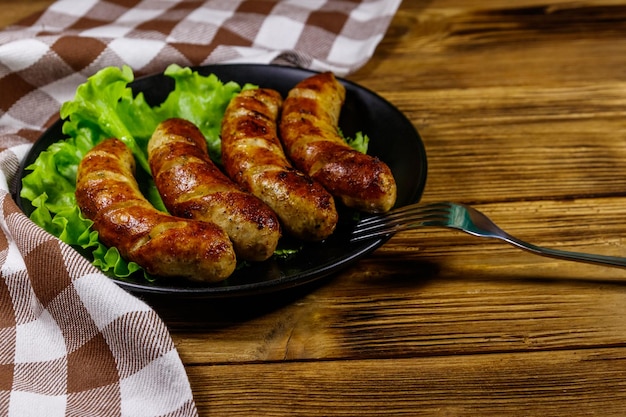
[{"x": 72, "y": 343}]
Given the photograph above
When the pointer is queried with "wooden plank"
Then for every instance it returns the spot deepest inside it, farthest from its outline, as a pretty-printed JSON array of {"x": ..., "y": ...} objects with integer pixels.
[
  {"x": 510, "y": 148},
  {"x": 451, "y": 44},
  {"x": 20, "y": 9},
  {"x": 410, "y": 316},
  {"x": 574, "y": 383}
]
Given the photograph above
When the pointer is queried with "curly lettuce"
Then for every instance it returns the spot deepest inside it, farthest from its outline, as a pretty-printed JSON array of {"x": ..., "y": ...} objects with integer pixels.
[{"x": 197, "y": 96}]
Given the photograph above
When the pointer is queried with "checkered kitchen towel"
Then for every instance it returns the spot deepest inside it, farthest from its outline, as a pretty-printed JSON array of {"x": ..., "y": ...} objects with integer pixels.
[{"x": 72, "y": 343}]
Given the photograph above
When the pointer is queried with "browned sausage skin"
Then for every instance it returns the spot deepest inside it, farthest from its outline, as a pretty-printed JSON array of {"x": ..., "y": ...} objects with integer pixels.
[
  {"x": 192, "y": 186},
  {"x": 108, "y": 194},
  {"x": 309, "y": 131},
  {"x": 253, "y": 157}
]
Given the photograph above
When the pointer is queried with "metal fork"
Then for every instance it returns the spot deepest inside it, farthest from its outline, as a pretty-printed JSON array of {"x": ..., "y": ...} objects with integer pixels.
[{"x": 467, "y": 219}]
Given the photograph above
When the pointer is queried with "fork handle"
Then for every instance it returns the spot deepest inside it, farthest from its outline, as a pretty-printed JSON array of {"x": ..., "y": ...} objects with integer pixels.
[{"x": 605, "y": 260}]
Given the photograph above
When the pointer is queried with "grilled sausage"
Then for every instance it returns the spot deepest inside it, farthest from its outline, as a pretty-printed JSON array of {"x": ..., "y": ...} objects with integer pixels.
[
  {"x": 253, "y": 157},
  {"x": 193, "y": 187},
  {"x": 309, "y": 131},
  {"x": 108, "y": 194}
]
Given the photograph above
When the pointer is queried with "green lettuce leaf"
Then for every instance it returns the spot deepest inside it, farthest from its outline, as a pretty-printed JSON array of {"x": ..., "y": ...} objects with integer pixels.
[
  {"x": 104, "y": 107},
  {"x": 359, "y": 142},
  {"x": 193, "y": 92}
]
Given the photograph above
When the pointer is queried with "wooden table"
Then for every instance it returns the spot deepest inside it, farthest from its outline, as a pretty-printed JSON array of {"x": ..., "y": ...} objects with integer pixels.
[{"x": 522, "y": 109}]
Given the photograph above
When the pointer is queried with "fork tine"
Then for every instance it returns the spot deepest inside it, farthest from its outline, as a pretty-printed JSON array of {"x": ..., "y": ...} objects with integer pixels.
[
  {"x": 402, "y": 218},
  {"x": 403, "y": 211}
]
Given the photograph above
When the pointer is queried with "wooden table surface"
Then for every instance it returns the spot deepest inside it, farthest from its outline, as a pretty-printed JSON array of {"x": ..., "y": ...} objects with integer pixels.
[{"x": 522, "y": 109}]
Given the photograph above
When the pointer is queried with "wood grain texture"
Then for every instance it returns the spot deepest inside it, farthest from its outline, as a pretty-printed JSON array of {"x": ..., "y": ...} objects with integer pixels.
[
  {"x": 522, "y": 109},
  {"x": 13, "y": 11},
  {"x": 542, "y": 383}
]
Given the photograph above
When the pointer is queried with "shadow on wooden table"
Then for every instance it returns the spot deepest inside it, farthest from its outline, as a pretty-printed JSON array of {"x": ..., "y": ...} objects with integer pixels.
[
  {"x": 203, "y": 313},
  {"x": 198, "y": 313}
]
